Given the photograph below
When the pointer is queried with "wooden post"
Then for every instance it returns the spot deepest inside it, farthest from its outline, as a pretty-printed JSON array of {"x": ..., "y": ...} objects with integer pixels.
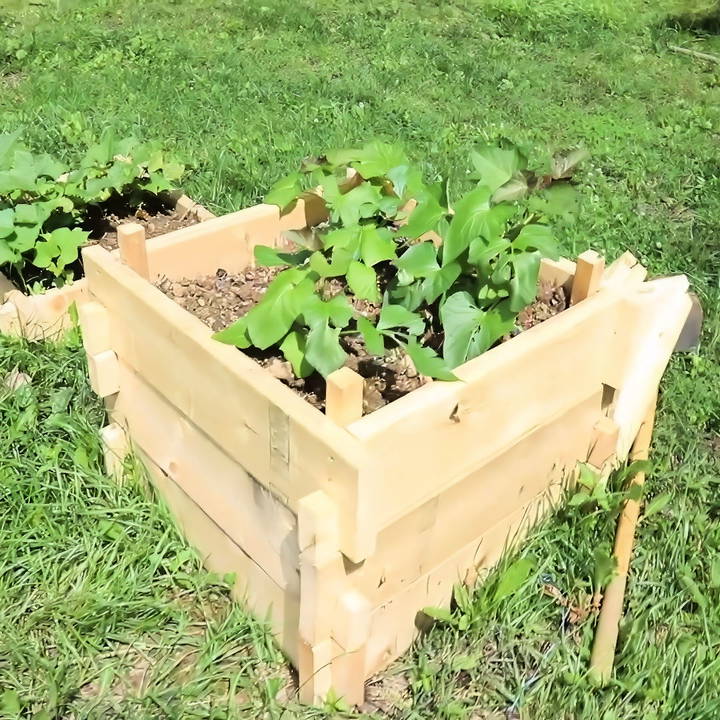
[
  {"x": 104, "y": 373},
  {"x": 115, "y": 446},
  {"x": 95, "y": 326},
  {"x": 603, "y": 445},
  {"x": 321, "y": 582},
  {"x": 588, "y": 275},
  {"x": 133, "y": 250},
  {"x": 344, "y": 396},
  {"x": 606, "y": 633}
]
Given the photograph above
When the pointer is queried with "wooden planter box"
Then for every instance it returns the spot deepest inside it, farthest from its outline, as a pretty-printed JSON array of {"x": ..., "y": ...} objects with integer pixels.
[
  {"x": 45, "y": 316},
  {"x": 342, "y": 534}
]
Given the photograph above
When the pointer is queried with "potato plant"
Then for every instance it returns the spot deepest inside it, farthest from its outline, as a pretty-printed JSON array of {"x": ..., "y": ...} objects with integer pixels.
[
  {"x": 43, "y": 203},
  {"x": 445, "y": 284}
]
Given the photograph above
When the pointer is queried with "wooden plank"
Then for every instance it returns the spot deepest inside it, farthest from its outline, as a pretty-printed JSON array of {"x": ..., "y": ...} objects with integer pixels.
[
  {"x": 658, "y": 310},
  {"x": 441, "y": 433},
  {"x": 603, "y": 442},
  {"x": 227, "y": 395},
  {"x": 95, "y": 325},
  {"x": 133, "y": 249},
  {"x": 6, "y": 286},
  {"x": 544, "y": 458},
  {"x": 104, "y": 373},
  {"x": 246, "y": 511},
  {"x": 559, "y": 273},
  {"x": 344, "y": 396},
  {"x": 226, "y": 242},
  {"x": 588, "y": 276},
  {"x": 393, "y": 624},
  {"x": 220, "y": 554},
  {"x": 115, "y": 447}
]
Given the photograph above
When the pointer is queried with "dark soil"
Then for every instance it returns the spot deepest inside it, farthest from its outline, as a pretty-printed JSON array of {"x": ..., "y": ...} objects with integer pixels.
[
  {"x": 550, "y": 301},
  {"x": 155, "y": 213},
  {"x": 218, "y": 300}
]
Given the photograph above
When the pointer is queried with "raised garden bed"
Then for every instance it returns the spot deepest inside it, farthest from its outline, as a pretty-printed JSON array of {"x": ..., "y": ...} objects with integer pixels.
[
  {"x": 46, "y": 315},
  {"x": 48, "y": 211},
  {"x": 343, "y": 527}
]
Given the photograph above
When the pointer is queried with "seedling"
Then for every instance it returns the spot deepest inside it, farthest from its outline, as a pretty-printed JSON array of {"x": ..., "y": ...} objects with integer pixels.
[{"x": 442, "y": 285}]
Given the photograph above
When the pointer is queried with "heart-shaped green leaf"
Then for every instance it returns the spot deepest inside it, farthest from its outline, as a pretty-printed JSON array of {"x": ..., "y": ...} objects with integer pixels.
[
  {"x": 374, "y": 343},
  {"x": 427, "y": 361},
  {"x": 376, "y": 245},
  {"x": 494, "y": 165},
  {"x": 284, "y": 191},
  {"x": 460, "y": 318},
  {"x": 466, "y": 224},
  {"x": 523, "y": 285},
  {"x": 362, "y": 280},
  {"x": 235, "y": 334},
  {"x": 323, "y": 350},
  {"x": 294, "y": 348},
  {"x": 419, "y": 260}
]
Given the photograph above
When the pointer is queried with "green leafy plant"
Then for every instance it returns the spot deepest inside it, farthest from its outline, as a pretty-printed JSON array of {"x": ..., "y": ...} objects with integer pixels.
[
  {"x": 441, "y": 284},
  {"x": 43, "y": 204}
]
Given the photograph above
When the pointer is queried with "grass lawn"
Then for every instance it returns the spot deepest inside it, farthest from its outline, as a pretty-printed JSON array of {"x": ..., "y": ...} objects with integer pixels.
[{"x": 105, "y": 612}]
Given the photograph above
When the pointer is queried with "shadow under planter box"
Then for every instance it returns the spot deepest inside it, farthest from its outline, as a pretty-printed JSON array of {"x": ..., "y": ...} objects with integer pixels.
[
  {"x": 344, "y": 529},
  {"x": 46, "y": 315}
]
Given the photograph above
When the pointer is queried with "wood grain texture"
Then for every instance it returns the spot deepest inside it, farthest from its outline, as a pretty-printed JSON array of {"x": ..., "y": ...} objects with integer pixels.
[
  {"x": 220, "y": 554},
  {"x": 441, "y": 433},
  {"x": 133, "y": 249},
  {"x": 229, "y": 396},
  {"x": 344, "y": 396},
  {"x": 588, "y": 276},
  {"x": 245, "y": 510}
]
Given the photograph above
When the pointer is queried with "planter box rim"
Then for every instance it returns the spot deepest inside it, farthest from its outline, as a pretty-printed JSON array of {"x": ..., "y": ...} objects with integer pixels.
[{"x": 377, "y": 417}]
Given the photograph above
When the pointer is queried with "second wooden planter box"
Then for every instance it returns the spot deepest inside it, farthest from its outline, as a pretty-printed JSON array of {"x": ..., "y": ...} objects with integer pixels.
[
  {"x": 344, "y": 533},
  {"x": 46, "y": 316}
]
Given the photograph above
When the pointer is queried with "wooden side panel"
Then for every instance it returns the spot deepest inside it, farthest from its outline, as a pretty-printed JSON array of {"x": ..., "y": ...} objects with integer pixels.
[
  {"x": 423, "y": 539},
  {"x": 222, "y": 555},
  {"x": 40, "y": 317},
  {"x": 657, "y": 311},
  {"x": 226, "y": 242},
  {"x": 439, "y": 434},
  {"x": 246, "y": 511},
  {"x": 397, "y": 622},
  {"x": 229, "y": 397}
]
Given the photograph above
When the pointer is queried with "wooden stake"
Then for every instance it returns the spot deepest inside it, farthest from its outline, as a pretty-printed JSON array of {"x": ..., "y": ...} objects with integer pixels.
[
  {"x": 104, "y": 373},
  {"x": 116, "y": 447},
  {"x": 604, "y": 442},
  {"x": 344, "y": 396},
  {"x": 133, "y": 250},
  {"x": 588, "y": 275},
  {"x": 606, "y": 633}
]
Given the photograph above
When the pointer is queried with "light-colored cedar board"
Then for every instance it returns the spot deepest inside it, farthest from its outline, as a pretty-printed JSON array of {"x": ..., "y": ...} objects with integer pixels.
[
  {"x": 132, "y": 245},
  {"x": 220, "y": 554},
  {"x": 226, "y": 242},
  {"x": 589, "y": 269},
  {"x": 440, "y": 433},
  {"x": 659, "y": 309},
  {"x": 45, "y": 316},
  {"x": 229, "y": 396},
  {"x": 393, "y": 624},
  {"x": 246, "y": 511},
  {"x": 422, "y": 539}
]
